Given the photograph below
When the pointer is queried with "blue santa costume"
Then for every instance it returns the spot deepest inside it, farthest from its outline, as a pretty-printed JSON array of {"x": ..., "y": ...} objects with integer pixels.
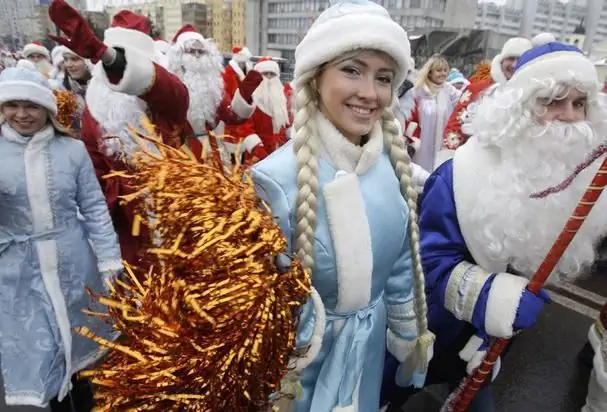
[
  {"x": 48, "y": 256},
  {"x": 362, "y": 258}
]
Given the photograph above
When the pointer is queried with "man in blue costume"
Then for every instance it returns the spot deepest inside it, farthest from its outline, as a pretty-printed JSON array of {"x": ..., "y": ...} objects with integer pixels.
[{"x": 490, "y": 215}]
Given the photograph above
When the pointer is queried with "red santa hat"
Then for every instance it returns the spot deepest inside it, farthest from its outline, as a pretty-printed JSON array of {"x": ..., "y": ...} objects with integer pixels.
[
  {"x": 241, "y": 54},
  {"x": 130, "y": 31},
  {"x": 35, "y": 48},
  {"x": 186, "y": 33},
  {"x": 267, "y": 64}
]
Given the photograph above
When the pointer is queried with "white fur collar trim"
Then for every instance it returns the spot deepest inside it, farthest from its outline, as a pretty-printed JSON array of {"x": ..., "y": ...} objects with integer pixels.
[
  {"x": 237, "y": 70},
  {"x": 466, "y": 183},
  {"x": 345, "y": 155}
]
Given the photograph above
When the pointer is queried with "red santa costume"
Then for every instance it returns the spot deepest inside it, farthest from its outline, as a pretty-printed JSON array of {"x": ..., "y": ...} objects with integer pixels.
[
  {"x": 266, "y": 130},
  {"x": 41, "y": 58},
  {"x": 199, "y": 64},
  {"x": 457, "y": 130},
  {"x": 119, "y": 95}
]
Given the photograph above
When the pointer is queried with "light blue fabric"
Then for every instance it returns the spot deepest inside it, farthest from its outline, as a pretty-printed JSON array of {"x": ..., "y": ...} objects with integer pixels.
[
  {"x": 358, "y": 349},
  {"x": 31, "y": 344}
]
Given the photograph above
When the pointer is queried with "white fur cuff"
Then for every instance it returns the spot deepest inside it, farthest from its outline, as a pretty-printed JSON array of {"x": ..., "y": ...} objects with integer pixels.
[
  {"x": 240, "y": 106},
  {"x": 139, "y": 74},
  {"x": 317, "y": 335},
  {"x": 250, "y": 142},
  {"x": 599, "y": 369},
  {"x": 400, "y": 348},
  {"x": 474, "y": 357},
  {"x": 502, "y": 304},
  {"x": 595, "y": 335}
]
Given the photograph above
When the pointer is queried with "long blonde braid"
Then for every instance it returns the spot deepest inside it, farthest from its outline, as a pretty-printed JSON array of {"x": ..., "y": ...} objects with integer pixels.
[
  {"x": 401, "y": 162},
  {"x": 306, "y": 146}
]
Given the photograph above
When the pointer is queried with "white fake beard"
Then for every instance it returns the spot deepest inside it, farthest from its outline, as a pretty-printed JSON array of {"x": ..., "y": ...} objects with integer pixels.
[
  {"x": 519, "y": 230},
  {"x": 205, "y": 87},
  {"x": 115, "y": 112},
  {"x": 271, "y": 99},
  {"x": 44, "y": 67}
]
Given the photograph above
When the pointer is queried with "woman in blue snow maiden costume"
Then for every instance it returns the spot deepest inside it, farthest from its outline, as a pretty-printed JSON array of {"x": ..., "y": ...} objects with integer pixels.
[
  {"x": 343, "y": 195},
  {"x": 48, "y": 256}
]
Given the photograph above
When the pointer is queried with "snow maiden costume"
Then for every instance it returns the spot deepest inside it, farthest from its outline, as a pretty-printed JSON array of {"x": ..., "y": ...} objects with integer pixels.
[
  {"x": 348, "y": 212},
  {"x": 479, "y": 222},
  {"x": 47, "y": 255}
]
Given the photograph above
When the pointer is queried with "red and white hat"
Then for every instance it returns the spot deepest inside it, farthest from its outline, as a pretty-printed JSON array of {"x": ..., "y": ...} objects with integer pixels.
[
  {"x": 35, "y": 48},
  {"x": 241, "y": 54},
  {"x": 267, "y": 64},
  {"x": 187, "y": 33},
  {"x": 130, "y": 31}
]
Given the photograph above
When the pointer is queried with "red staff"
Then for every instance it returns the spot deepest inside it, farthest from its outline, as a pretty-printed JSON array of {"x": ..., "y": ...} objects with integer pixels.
[{"x": 461, "y": 398}]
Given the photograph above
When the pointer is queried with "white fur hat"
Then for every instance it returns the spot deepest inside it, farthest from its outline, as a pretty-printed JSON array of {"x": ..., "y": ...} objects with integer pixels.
[
  {"x": 514, "y": 47},
  {"x": 130, "y": 31},
  {"x": 186, "y": 33},
  {"x": 555, "y": 63},
  {"x": 57, "y": 55},
  {"x": 17, "y": 83},
  {"x": 542, "y": 38},
  {"x": 267, "y": 64},
  {"x": 241, "y": 54},
  {"x": 35, "y": 47},
  {"x": 353, "y": 25}
]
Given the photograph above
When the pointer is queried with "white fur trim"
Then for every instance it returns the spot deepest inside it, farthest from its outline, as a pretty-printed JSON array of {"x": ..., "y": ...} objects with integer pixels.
[
  {"x": 346, "y": 27},
  {"x": 472, "y": 346},
  {"x": 250, "y": 142},
  {"x": 497, "y": 74},
  {"x": 466, "y": 181},
  {"x": 442, "y": 156},
  {"x": 400, "y": 348},
  {"x": 139, "y": 74},
  {"x": 189, "y": 35},
  {"x": 36, "y": 160},
  {"x": 349, "y": 228},
  {"x": 30, "y": 91},
  {"x": 542, "y": 38},
  {"x": 420, "y": 175},
  {"x": 317, "y": 335},
  {"x": 234, "y": 65},
  {"x": 110, "y": 266},
  {"x": 31, "y": 48},
  {"x": 502, "y": 304},
  {"x": 474, "y": 357},
  {"x": 559, "y": 67},
  {"x": 599, "y": 369},
  {"x": 267, "y": 66},
  {"x": 594, "y": 337},
  {"x": 129, "y": 39},
  {"x": 240, "y": 106},
  {"x": 463, "y": 289},
  {"x": 19, "y": 399},
  {"x": 515, "y": 47},
  {"x": 411, "y": 128}
]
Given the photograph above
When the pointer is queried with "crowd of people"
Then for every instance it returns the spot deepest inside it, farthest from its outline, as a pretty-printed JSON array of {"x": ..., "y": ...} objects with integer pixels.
[{"x": 419, "y": 201}]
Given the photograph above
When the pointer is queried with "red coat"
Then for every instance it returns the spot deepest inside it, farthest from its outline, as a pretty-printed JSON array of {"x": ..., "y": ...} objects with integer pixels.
[
  {"x": 454, "y": 136},
  {"x": 167, "y": 101},
  {"x": 232, "y": 77}
]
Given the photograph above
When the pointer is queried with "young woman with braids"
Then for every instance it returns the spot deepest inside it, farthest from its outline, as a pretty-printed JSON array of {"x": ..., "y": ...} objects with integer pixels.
[{"x": 343, "y": 195}]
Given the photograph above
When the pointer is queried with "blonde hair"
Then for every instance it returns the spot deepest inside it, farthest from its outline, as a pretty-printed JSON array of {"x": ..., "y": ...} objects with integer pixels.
[
  {"x": 306, "y": 145},
  {"x": 434, "y": 63}
]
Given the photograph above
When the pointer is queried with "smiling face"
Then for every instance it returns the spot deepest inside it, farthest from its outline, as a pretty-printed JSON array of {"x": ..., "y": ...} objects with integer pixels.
[
  {"x": 75, "y": 66},
  {"x": 25, "y": 117},
  {"x": 439, "y": 73},
  {"x": 355, "y": 91}
]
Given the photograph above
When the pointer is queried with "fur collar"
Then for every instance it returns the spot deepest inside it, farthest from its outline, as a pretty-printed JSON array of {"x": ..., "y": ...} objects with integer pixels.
[
  {"x": 343, "y": 154},
  {"x": 43, "y": 135},
  {"x": 496, "y": 70}
]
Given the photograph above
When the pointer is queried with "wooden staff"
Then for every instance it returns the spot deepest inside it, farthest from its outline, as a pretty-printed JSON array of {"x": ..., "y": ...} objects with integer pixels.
[{"x": 460, "y": 400}]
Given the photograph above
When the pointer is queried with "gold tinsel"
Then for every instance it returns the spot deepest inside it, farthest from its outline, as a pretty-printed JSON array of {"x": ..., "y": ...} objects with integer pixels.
[
  {"x": 483, "y": 72},
  {"x": 67, "y": 107},
  {"x": 208, "y": 323}
]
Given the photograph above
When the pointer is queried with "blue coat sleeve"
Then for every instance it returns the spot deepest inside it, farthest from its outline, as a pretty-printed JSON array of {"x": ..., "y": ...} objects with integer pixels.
[
  {"x": 97, "y": 221},
  {"x": 272, "y": 193},
  {"x": 453, "y": 282}
]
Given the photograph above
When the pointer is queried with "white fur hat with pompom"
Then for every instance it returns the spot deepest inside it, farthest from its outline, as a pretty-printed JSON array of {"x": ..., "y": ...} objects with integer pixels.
[{"x": 353, "y": 25}]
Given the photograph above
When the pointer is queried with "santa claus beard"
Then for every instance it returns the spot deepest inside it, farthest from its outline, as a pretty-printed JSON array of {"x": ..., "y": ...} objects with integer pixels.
[
  {"x": 270, "y": 98},
  {"x": 44, "y": 67},
  {"x": 519, "y": 230},
  {"x": 205, "y": 87},
  {"x": 115, "y": 112}
]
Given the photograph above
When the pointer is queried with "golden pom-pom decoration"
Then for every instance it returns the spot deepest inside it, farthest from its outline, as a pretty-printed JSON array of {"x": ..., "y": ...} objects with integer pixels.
[
  {"x": 483, "y": 72},
  {"x": 67, "y": 108},
  {"x": 208, "y": 319}
]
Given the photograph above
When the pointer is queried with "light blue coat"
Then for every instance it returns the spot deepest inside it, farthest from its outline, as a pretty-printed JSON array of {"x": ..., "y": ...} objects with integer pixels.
[
  {"x": 362, "y": 266},
  {"x": 47, "y": 261}
]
